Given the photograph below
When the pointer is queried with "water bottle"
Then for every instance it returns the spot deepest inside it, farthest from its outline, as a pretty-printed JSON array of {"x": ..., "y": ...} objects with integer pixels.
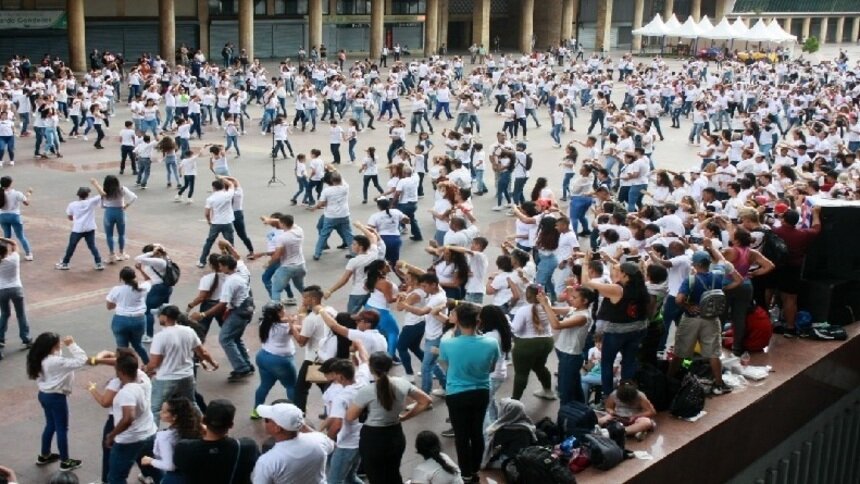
[{"x": 745, "y": 358}]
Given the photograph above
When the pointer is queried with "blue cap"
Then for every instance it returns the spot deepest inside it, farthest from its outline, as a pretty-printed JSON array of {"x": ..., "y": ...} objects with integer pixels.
[{"x": 700, "y": 257}]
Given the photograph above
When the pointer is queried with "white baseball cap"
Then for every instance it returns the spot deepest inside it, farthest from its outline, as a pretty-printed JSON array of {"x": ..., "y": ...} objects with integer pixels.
[{"x": 286, "y": 415}]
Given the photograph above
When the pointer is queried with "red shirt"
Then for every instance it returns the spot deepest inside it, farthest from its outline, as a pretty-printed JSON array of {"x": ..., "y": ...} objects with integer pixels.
[{"x": 798, "y": 241}]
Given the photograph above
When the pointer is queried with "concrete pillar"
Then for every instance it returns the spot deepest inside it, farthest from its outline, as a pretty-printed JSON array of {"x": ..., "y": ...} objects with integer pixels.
[
  {"x": 167, "y": 31},
  {"x": 840, "y": 29},
  {"x": 546, "y": 22},
  {"x": 638, "y": 10},
  {"x": 481, "y": 23},
  {"x": 604, "y": 26},
  {"x": 855, "y": 29},
  {"x": 668, "y": 9},
  {"x": 804, "y": 30},
  {"x": 567, "y": 14},
  {"x": 822, "y": 33},
  {"x": 527, "y": 9},
  {"x": 575, "y": 16},
  {"x": 443, "y": 22},
  {"x": 77, "y": 36},
  {"x": 377, "y": 28},
  {"x": 246, "y": 27},
  {"x": 203, "y": 15},
  {"x": 315, "y": 24},
  {"x": 431, "y": 28},
  {"x": 786, "y": 24},
  {"x": 696, "y": 10}
]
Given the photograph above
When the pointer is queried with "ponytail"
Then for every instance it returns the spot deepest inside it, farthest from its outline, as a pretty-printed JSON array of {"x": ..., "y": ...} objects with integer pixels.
[
  {"x": 128, "y": 276},
  {"x": 428, "y": 446},
  {"x": 384, "y": 391}
]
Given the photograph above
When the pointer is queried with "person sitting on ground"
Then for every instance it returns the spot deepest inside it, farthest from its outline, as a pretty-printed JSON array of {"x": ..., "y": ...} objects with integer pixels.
[{"x": 632, "y": 408}]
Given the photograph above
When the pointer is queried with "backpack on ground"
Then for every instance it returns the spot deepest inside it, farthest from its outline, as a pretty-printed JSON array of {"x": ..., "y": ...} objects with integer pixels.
[
  {"x": 548, "y": 432},
  {"x": 536, "y": 465},
  {"x": 576, "y": 418},
  {"x": 655, "y": 385},
  {"x": 604, "y": 452},
  {"x": 171, "y": 273},
  {"x": 690, "y": 399},
  {"x": 617, "y": 433},
  {"x": 713, "y": 302},
  {"x": 774, "y": 248}
]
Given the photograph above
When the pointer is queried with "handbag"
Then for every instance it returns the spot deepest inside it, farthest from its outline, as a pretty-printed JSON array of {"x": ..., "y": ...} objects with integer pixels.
[{"x": 314, "y": 375}]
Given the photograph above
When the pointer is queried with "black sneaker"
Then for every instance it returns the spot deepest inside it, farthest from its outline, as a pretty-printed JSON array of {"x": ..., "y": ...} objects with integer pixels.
[
  {"x": 789, "y": 332},
  {"x": 239, "y": 375},
  {"x": 448, "y": 433},
  {"x": 70, "y": 464},
  {"x": 721, "y": 389},
  {"x": 42, "y": 460}
]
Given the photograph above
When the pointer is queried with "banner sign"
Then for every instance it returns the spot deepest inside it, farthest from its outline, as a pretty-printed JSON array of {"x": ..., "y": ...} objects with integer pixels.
[{"x": 33, "y": 19}]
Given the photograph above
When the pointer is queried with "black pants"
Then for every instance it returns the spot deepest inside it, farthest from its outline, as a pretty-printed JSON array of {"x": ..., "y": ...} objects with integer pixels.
[
  {"x": 467, "y": 410},
  {"x": 239, "y": 225},
  {"x": 367, "y": 181},
  {"x": 127, "y": 152},
  {"x": 381, "y": 450},
  {"x": 303, "y": 387}
]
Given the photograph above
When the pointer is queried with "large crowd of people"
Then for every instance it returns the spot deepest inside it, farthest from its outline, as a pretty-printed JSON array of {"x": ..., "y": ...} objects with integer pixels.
[{"x": 605, "y": 266}]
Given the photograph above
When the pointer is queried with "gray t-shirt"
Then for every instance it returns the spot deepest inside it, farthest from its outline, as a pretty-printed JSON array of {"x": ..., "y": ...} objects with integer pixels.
[{"x": 377, "y": 415}]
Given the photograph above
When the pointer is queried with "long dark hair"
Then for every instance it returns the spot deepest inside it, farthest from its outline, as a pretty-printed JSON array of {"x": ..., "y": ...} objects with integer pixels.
[
  {"x": 271, "y": 316},
  {"x": 5, "y": 182},
  {"x": 214, "y": 262},
  {"x": 492, "y": 318},
  {"x": 380, "y": 364},
  {"x": 547, "y": 234},
  {"x": 128, "y": 276},
  {"x": 42, "y": 347},
  {"x": 532, "y": 291},
  {"x": 111, "y": 187},
  {"x": 186, "y": 420},
  {"x": 461, "y": 266},
  {"x": 374, "y": 273},
  {"x": 540, "y": 184},
  {"x": 428, "y": 446}
]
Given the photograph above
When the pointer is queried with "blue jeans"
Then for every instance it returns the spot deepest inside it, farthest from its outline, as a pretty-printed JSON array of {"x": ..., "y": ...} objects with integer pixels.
[
  {"x": 231, "y": 340},
  {"x": 128, "y": 330},
  {"x": 429, "y": 367},
  {"x": 15, "y": 295},
  {"x": 569, "y": 385},
  {"x": 159, "y": 295},
  {"x": 89, "y": 238},
  {"x": 341, "y": 225},
  {"x": 10, "y": 222},
  {"x": 408, "y": 209},
  {"x": 589, "y": 380},
  {"x": 170, "y": 167},
  {"x": 169, "y": 114},
  {"x": 267, "y": 279},
  {"x": 115, "y": 217},
  {"x": 144, "y": 165},
  {"x": 410, "y": 340},
  {"x": 579, "y": 206},
  {"x": 283, "y": 276},
  {"x": 302, "y": 182},
  {"x": 7, "y": 143},
  {"x": 475, "y": 297},
  {"x": 343, "y": 467},
  {"x": 479, "y": 181},
  {"x": 275, "y": 368},
  {"x": 613, "y": 343},
  {"x": 492, "y": 410},
  {"x": 163, "y": 390},
  {"x": 234, "y": 142},
  {"x": 555, "y": 134},
  {"x": 388, "y": 327},
  {"x": 671, "y": 314},
  {"x": 355, "y": 302},
  {"x": 225, "y": 230},
  {"x": 439, "y": 236},
  {"x": 545, "y": 267},
  {"x": 351, "y": 149},
  {"x": 56, "y": 407},
  {"x": 519, "y": 185},
  {"x": 122, "y": 458},
  {"x": 634, "y": 197},
  {"x": 503, "y": 184}
]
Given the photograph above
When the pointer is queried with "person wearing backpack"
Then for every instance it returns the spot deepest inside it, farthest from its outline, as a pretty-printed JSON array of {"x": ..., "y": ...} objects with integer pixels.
[
  {"x": 153, "y": 262},
  {"x": 703, "y": 301}
]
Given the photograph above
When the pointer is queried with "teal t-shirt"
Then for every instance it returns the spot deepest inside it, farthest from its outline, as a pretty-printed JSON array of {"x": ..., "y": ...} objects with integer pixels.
[{"x": 470, "y": 361}]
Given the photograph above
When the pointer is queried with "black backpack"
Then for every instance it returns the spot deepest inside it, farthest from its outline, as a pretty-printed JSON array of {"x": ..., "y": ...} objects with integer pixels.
[
  {"x": 617, "y": 433},
  {"x": 690, "y": 399},
  {"x": 529, "y": 161},
  {"x": 774, "y": 248},
  {"x": 536, "y": 465},
  {"x": 655, "y": 385},
  {"x": 548, "y": 432},
  {"x": 171, "y": 273},
  {"x": 576, "y": 418},
  {"x": 604, "y": 452}
]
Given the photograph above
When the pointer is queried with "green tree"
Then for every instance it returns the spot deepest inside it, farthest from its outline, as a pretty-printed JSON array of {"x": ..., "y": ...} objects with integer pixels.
[{"x": 811, "y": 45}]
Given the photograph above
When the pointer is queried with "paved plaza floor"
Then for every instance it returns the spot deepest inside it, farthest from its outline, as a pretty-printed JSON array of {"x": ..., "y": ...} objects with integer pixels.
[{"x": 72, "y": 302}]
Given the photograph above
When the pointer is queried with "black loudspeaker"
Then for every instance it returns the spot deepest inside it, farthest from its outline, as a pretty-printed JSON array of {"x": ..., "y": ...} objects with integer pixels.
[
  {"x": 836, "y": 302},
  {"x": 833, "y": 255}
]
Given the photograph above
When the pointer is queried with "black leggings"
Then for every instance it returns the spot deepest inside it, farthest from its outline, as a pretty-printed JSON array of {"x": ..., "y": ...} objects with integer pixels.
[
  {"x": 367, "y": 180},
  {"x": 467, "y": 410},
  {"x": 381, "y": 450}
]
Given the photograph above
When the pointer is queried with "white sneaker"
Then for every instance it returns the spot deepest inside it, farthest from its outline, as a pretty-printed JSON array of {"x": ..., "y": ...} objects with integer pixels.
[
  {"x": 85, "y": 138},
  {"x": 177, "y": 198},
  {"x": 498, "y": 208},
  {"x": 189, "y": 201},
  {"x": 439, "y": 392},
  {"x": 545, "y": 394},
  {"x": 11, "y": 163},
  {"x": 28, "y": 257},
  {"x": 146, "y": 339},
  {"x": 409, "y": 378}
]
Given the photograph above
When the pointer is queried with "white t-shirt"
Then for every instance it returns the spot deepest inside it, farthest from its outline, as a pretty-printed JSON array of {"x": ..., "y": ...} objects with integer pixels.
[
  {"x": 430, "y": 471},
  {"x": 135, "y": 395},
  {"x": 357, "y": 265},
  {"x": 432, "y": 326},
  {"x": 301, "y": 459},
  {"x": 10, "y": 271},
  {"x": 176, "y": 346},
  {"x": 478, "y": 264},
  {"x": 336, "y": 198},
  {"x": 348, "y": 436},
  {"x": 83, "y": 213},
  {"x": 408, "y": 188},
  {"x": 221, "y": 205},
  {"x": 315, "y": 329},
  {"x": 387, "y": 223},
  {"x": 14, "y": 198},
  {"x": 503, "y": 292},
  {"x": 291, "y": 240},
  {"x": 206, "y": 283},
  {"x": 129, "y": 302}
]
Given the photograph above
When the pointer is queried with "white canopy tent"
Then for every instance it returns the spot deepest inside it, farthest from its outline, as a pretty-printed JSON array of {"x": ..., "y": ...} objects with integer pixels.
[
  {"x": 759, "y": 33},
  {"x": 740, "y": 28},
  {"x": 721, "y": 31},
  {"x": 672, "y": 26},
  {"x": 689, "y": 30},
  {"x": 705, "y": 25},
  {"x": 778, "y": 33},
  {"x": 654, "y": 28}
]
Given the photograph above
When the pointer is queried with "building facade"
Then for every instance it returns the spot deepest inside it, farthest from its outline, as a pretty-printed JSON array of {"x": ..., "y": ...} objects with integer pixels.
[{"x": 278, "y": 28}]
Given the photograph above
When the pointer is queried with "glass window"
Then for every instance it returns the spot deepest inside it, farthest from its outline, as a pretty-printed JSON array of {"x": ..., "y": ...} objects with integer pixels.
[
  {"x": 353, "y": 7},
  {"x": 10, "y": 4},
  {"x": 408, "y": 7},
  {"x": 280, "y": 7},
  {"x": 260, "y": 7},
  {"x": 223, "y": 7}
]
